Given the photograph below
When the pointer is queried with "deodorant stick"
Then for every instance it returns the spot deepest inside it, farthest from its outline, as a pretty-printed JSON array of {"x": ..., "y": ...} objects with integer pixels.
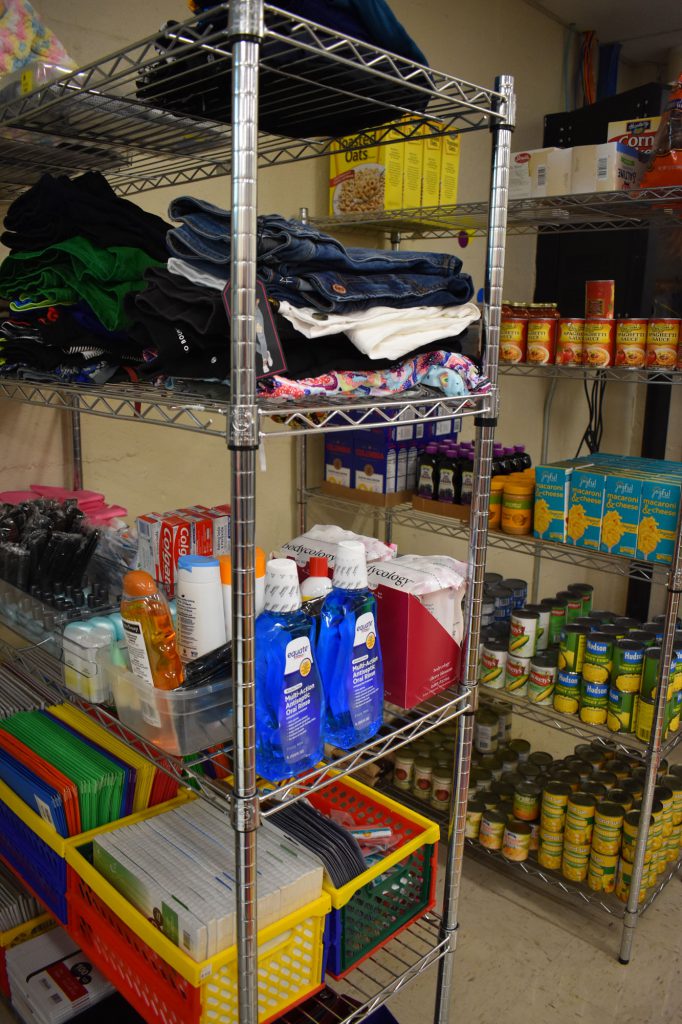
[{"x": 201, "y": 621}]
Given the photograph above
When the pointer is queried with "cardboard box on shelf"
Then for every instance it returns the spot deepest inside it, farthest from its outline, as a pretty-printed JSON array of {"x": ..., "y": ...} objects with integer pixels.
[
  {"x": 637, "y": 133},
  {"x": 413, "y": 167},
  {"x": 585, "y": 507},
  {"x": 536, "y": 173},
  {"x": 449, "y": 170},
  {"x": 432, "y": 147},
  {"x": 608, "y": 167},
  {"x": 364, "y": 177},
  {"x": 552, "y": 486},
  {"x": 339, "y": 462}
]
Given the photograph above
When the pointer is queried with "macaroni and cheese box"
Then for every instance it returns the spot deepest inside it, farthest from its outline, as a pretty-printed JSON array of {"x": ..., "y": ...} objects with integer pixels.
[
  {"x": 620, "y": 521},
  {"x": 431, "y": 170},
  {"x": 365, "y": 177},
  {"x": 659, "y": 513},
  {"x": 552, "y": 485},
  {"x": 413, "y": 168},
  {"x": 449, "y": 170},
  {"x": 585, "y": 508}
]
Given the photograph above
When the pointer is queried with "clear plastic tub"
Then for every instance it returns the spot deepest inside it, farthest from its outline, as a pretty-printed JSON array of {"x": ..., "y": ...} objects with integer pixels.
[{"x": 178, "y": 721}]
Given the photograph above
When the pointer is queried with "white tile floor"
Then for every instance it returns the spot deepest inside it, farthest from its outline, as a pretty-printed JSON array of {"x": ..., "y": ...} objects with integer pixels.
[{"x": 525, "y": 959}]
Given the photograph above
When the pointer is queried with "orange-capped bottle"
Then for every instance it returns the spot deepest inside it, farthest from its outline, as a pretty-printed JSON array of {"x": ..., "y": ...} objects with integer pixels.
[{"x": 149, "y": 632}]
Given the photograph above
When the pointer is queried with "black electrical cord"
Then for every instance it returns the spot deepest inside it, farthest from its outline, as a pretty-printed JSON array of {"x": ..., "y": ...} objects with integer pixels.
[{"x": 594, "y": 431}]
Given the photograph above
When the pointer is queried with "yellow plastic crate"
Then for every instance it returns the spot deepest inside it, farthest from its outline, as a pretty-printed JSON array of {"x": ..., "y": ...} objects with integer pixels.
[{"x": 164, "y": 984}]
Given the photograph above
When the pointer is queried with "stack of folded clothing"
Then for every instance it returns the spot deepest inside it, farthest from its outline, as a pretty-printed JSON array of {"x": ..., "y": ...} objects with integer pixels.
[
  {"x": 76, "y": 252},
  {"x": 347, "y": 318}
]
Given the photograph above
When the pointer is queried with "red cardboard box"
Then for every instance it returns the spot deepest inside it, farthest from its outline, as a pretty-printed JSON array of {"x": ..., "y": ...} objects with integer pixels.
[{"x": 420, "y": 657}]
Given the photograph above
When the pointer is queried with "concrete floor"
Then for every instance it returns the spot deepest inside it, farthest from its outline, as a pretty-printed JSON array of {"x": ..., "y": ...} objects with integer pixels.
[{"x": 527, "y": 959}]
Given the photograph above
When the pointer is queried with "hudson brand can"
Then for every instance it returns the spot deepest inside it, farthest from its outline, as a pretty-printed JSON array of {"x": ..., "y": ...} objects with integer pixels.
[
  {"x": 513, "y": 339},
  {"x": 599, "y": 345},
  {"x": 486, "y": 730},
  {"x": 523, "y": 633},
  {"x": 601, "y": 874},
  {"x": 631, "y": 343},
  {"x": 493, "y": 663},
  {"x": 557, "y": 618},
  {"x": 621, "y": 710},
  {"x": 541, "y": 340},
  {"x": 516, "y": 841},
  {"x": 661, "y": 342},
  {"x": 652, "y": 664},
  {"x": 542, "y": 679},
  {"x": 569, "y": 349},
  {"x": 572, "y": 647},
  {"x": 491, "y": 831},
  {"x": 627, "y": 664},
  {"x": 567, "y": 692},
  {"x": 527, "y": 801},
  {"x": 516, "y": 675},
  {"x": 475, "y": 811},
  {"x": 600, "y": 298}
]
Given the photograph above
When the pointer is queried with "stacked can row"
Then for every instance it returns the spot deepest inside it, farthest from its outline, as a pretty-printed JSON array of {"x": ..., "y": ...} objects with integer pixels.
[
  {"x": 598, "y": 665},
  {"x": 579, "y": 815},
  {"x": 425, "y": 767}
]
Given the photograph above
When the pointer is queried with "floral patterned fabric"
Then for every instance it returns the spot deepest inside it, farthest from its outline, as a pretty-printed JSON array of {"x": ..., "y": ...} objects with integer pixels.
[{"x": 24, "y": 38}]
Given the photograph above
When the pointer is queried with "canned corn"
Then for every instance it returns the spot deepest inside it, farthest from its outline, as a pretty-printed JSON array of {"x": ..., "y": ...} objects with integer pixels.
[
  {"x": 601, "y": 874},
  {"x": 575, "y": 860},
  {"x": 493, "y": 663},
  {"x": 523, "y": 632},
  {"x": 475, "y": 811},
  {"x": 491, "y": 831},
  {"x": 567, "y": 692},
  {"x": 608, "y": 828},
  {"x": 628, "y": 661},
  {"x": 572, "y": 647},
  {"x": 550, "y": 850},
  {"x": 527, "y": 801},
  {"x": 516, "y": 841},
  {"x": 516, "y": 675},
  {"x": 542, "y": 679}
]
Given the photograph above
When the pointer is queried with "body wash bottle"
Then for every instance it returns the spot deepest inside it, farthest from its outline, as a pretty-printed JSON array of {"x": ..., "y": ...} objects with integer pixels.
[
  {"x": 289, "y": 695},
  {"x": 349, "y": 652}
]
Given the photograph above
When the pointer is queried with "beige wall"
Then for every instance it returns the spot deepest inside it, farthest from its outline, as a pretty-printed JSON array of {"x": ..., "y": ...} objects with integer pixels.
[{"x": 146, "y": 467}]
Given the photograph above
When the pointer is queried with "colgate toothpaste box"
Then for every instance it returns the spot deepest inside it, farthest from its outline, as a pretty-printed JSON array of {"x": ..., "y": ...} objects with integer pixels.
[
  {"x": 201, "y": 529},
  {"x": 163, "y": 538}
]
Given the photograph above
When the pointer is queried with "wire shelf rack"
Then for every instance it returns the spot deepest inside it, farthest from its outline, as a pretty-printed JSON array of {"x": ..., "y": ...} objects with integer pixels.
[
  {"x": 378, "y": 978},
  {"x": 156, "y": 113},
  {"x": 621, "y": 375},
  {"x": 201, "y": 414},
  {"x": 399, "y": 729},
  {"x": 571, "y": 725},
  {"x": 600, "y": 211}
]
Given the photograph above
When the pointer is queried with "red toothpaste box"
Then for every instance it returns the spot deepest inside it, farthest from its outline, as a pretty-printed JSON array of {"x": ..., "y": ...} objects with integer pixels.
[
  {"x": 201, "y": 530},
  {"x": 420, "y": 657},
  {"x": 162, "y": 538}
]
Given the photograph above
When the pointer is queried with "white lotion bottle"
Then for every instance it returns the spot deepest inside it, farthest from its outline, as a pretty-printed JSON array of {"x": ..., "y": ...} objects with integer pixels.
[{"x": 201, "y": 621}]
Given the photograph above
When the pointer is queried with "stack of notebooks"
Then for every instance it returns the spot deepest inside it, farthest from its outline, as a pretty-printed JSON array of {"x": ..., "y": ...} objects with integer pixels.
[
  {"x": 16, "y": 905},
  {"x": 178, "y": 870},
  {"x": 73, "y": 773},
  {"x": 52, "y": 980}
]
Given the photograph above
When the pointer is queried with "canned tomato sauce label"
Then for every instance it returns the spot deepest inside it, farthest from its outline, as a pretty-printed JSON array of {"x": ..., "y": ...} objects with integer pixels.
[
  {"x": 661, "y": 342},
  {"x": 599, "y": 343},
  {"x": 631, "y": 343},
  {"x": 513, "y": 339},
  {"x": 541, "y": 340},
  {"x": 569, "y": 349},
  {"x": 600, "y": 297}
]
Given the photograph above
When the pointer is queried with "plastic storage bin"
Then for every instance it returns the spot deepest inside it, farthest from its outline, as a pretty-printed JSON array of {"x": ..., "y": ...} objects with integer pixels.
[
  {"x": 165, "y": 985},
  {"x": 393, "y": 893},
  {"x": 178, "y": 721},
  {"x": 37, "y": 854},
  {"x": 14, "y": 937}
]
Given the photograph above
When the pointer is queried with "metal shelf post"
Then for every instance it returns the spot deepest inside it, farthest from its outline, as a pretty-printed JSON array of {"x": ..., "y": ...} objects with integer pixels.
[
  {"x": 485, "y": 433},
  {"x": 632, "y": 912},
  {"x": 246, "y": 31}
]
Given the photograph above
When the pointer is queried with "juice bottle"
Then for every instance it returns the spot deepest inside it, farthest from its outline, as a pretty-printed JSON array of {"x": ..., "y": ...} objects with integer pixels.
[
  {"x": 149, "y": 632},
  {"x": 427, "y": 483},
  {"x": 447, "y": 475},
  {"x": 467, "y": 487},
  {"x": 522, "y": 457}
]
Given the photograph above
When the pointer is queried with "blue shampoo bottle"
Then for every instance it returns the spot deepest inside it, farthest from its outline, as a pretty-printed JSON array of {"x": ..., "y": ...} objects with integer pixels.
[
  {"x": 349, "y": 652},
  {"x": 289, "y": 695}
]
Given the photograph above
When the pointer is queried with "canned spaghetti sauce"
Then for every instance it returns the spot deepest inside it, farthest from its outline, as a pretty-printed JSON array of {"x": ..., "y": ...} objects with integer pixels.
[
  {"x": 661, "y": 342},
  {"x": 599, "y": 343},
  {"x": 541, "y": 340},
  {"x": 513, "y": 339},
  {"x": 569, "y": 347},
  {"x": 631, "y": 343},
  {"x": 600, "y": 297}
]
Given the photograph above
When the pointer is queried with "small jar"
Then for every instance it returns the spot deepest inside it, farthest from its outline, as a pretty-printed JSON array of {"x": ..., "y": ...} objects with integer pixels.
[{"x": 517, "y": 505}]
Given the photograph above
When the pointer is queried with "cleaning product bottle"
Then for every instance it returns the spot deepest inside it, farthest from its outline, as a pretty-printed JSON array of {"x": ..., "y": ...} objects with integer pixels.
[
  {"x": 289, "y": 694},
  {"x": 260, "y": 581},
  {"x": 200, "y": 606},
  {"x": 318, "y": 583},
  {"x": 149, "y": 632},
  {"x": 226, "y": 585},
  {"x": 349, "y": 652}
]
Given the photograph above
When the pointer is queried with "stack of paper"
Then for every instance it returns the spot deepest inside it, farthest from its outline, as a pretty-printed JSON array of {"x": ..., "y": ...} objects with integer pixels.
[
  {"x": 16, "y": 905},
  {"x": 18, "y": 692},
  {"x": 52, "y": 980},
  {"x": 178, "y": 869}
]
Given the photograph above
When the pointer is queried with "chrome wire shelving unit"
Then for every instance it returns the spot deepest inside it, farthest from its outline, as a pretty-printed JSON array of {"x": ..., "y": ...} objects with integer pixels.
[
  {"x": 131, "y": 116},
  {"x": 599, "y": 211},
  {"x": 615, "y": 374}
]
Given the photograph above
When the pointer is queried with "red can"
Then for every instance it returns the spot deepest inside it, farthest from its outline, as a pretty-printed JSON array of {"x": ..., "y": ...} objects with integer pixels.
[
  {"x": 600, "y": 297},
  {"x": 599, "y": 343},
  {"x": 541, "y": 340},
  {"x": 569, "y": 350}
]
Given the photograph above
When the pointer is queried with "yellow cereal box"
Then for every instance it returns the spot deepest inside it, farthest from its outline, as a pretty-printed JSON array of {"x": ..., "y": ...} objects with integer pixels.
[
  {"x": 431, "y": 172},
  {"x": 366, "y": 177},
  {"x": 413, "y": 170},
  {"x": 449, "y": 169}
]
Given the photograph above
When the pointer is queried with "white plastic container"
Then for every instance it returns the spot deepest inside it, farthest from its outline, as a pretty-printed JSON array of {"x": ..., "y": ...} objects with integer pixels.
[
  {"x": 201, "y": 620},
  {"x": 83, "y": 675}
]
